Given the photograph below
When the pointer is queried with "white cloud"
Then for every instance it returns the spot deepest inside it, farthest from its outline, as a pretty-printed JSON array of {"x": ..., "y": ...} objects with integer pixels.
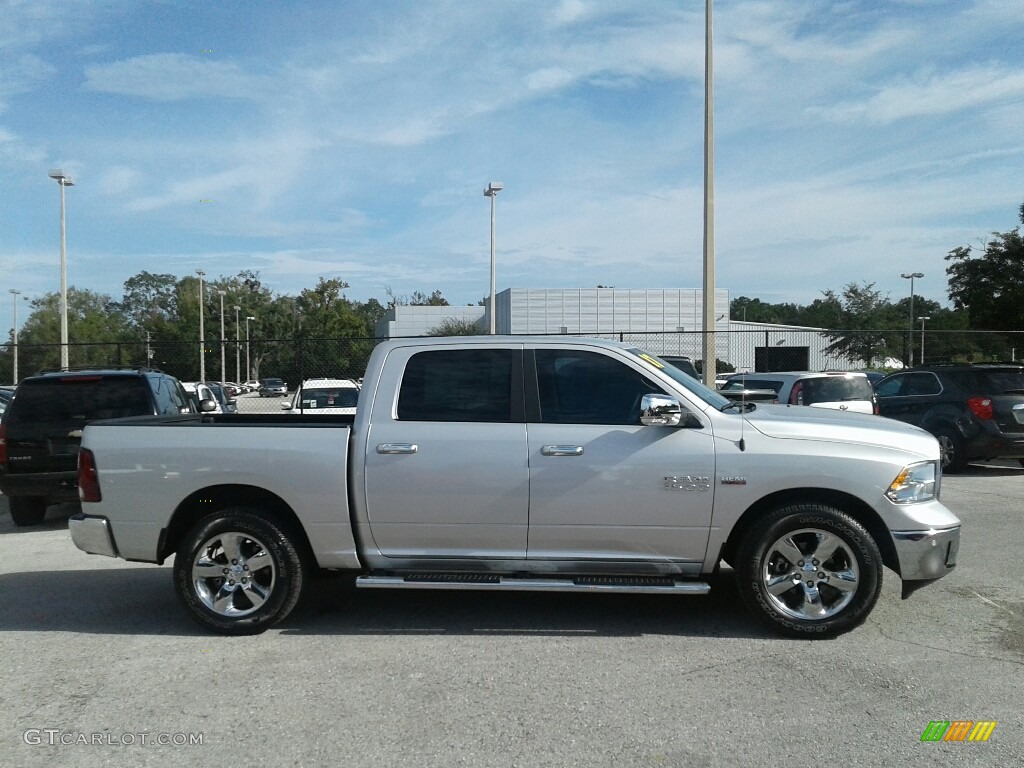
[
  {"x": 931, "y": 94},
  {"x": 173, "y": 77}
]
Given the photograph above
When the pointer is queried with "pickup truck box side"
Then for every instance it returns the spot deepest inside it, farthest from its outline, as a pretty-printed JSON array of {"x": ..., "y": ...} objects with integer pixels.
[{"x": 531, "y": 464}]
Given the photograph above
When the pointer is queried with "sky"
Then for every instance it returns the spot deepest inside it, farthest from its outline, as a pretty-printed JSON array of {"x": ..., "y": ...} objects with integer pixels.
[{"x": 353, "y": 139}]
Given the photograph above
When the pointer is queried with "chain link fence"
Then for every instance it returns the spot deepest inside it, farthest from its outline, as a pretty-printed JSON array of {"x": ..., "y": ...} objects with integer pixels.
[{"x": 295, "y": 360}]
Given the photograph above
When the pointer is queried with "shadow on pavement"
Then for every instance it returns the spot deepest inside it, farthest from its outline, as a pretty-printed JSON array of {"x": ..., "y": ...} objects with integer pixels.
[{"x": 141, "y": 601}]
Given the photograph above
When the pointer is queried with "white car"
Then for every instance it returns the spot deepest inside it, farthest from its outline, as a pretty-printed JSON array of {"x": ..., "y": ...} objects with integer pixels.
[
  {"x": 200, "y": 395},
  {"x": 838, "y": 390},
  {"x": 325, "y": 396}
]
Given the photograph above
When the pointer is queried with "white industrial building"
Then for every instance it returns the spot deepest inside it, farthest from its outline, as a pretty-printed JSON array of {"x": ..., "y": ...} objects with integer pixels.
[{"x": 663, "y": 321}]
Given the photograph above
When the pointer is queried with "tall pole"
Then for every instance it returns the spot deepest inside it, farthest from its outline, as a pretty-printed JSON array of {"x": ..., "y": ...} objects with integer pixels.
[
  {"x": 64, "y": 181},
  {"x": 223, "y": 370},
  {"x": 238, "y": 347},
  {"x": 492, "y": 192},
  {"x": 14, "y": 295},
  {"x": 910, "y": 337},
  {"x": 710, "y": 355},
  {"x": 922, "y": 319},
  {"x": 202, "y": 331},
  {"x": 248, "y": 367}
]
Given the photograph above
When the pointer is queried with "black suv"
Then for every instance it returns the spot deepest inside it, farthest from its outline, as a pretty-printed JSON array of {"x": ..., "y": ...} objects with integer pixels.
[
  {"x": 42, "y": 429},
  {"x": 976, "y": 411}
]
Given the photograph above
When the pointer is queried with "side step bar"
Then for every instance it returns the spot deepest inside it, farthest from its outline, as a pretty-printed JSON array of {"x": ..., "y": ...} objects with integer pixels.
[{"x": 489, "y": 581}]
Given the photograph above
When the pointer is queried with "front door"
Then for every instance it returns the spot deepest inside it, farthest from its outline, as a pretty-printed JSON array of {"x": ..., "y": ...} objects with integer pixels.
[{"x": 602, "y": 486}]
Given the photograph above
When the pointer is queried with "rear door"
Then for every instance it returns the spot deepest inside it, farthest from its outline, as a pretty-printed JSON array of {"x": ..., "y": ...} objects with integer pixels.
[
  {"x": 446, "y": 472},
  {"x": 603, "y": 487}
]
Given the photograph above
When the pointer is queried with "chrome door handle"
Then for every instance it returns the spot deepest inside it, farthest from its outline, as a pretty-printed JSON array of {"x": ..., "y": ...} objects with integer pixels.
[
  {"x": 397, "y": 448},
  {"x": 562, "y": 450}
]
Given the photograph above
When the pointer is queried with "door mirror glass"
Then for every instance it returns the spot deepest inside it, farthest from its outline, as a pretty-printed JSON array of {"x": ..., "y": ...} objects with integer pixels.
[{"x": 660, "y": 410}]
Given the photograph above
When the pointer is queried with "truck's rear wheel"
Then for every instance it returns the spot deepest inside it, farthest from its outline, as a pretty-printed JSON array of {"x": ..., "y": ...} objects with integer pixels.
[
  {"x": 809, "y": 570},
  {"x": 27, "y": 510},
  {"x": 238, "y": 572}
]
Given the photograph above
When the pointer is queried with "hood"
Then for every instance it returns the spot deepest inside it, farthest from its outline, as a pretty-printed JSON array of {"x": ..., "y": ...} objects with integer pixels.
[{"x": 797, "y": 422}]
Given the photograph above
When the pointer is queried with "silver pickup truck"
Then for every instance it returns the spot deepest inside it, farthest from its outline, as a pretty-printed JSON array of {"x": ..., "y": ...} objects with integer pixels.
[{"x": 514, "y": 463}]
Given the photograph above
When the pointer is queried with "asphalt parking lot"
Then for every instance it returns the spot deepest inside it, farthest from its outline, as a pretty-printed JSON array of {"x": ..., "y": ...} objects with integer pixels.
[{"x": 101, "y": 667}]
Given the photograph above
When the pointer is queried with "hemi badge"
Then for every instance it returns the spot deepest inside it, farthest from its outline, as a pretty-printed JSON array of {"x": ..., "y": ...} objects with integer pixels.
[{"x": 734, "y": 481}]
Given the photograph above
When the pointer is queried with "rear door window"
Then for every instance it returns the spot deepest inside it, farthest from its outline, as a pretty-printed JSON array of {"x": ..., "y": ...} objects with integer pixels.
[{"x": 458, "y": 385}]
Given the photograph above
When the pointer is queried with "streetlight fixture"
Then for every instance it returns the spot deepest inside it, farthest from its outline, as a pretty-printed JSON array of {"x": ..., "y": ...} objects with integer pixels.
[
  {"x": 492, "y": 192},
  {"x": 65, "y": 181},
  {"x": 238, "y": 347},
  {"x": 910, "y": 276},
  {"x": 14, "y": 296},
  {"x": 921, "y": 320},
  {"x": 202, "y": 332},
  {"x": 248, "y": 367},
  {"x": 223, "y": 370}
]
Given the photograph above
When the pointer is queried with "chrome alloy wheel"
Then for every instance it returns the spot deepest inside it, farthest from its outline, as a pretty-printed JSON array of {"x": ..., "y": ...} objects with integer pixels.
[
  {"x": 233, "y": 574},
  {"x": 810, "y": 574}
]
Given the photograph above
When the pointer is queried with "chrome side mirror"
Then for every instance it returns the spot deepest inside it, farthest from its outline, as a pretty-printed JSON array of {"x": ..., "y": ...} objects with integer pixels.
[
  {"x": 207, "y": 406},
  {"x": 286, "y": 406},
  {"x": 660, "y": 410}
]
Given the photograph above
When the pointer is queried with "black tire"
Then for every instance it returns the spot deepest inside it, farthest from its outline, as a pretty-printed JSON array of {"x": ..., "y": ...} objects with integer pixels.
[
  {"x": 27, "y": 510},
  {"x": 952, "y": 449},
  {"x": 851, "y": 561},
  {"x": 239, "y": 572}
]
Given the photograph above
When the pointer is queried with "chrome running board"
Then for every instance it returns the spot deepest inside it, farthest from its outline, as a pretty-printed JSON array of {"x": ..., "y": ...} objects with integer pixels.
[{"x": 489, "y": 581}]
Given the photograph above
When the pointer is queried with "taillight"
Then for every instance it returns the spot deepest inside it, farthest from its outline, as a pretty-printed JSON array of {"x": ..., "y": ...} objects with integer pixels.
[
  {"x": 980, "y": 407},
  {"x": 88, "y": 480},
  {"x": 3, "y": 444}
]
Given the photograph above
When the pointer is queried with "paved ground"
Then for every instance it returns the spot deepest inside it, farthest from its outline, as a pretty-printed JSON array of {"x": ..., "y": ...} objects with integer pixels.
[{"x": 97, "y": 649}]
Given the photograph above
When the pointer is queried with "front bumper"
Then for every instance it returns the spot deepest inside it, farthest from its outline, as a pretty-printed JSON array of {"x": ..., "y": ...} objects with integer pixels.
[
  {"x": 92, "y": 534},
  {"x": 926, "y": 555}
]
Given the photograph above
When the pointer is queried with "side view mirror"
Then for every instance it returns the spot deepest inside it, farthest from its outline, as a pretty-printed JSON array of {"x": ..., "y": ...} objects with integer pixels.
[
  {"x": 660, "y": 410},
  {"x": 207, "y": 406},
  {"x": 286, "y": 406}
]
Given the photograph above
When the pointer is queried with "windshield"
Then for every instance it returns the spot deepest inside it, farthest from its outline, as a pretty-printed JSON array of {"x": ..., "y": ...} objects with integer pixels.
[{"x": 687, "y": 382}]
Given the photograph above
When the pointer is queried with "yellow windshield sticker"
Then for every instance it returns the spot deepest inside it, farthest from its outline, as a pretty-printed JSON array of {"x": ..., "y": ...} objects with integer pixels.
[{"x": 656, "y": 363}]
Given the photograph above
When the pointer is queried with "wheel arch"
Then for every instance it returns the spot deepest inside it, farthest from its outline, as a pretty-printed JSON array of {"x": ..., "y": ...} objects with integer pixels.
[
  {"x": 208, "y": 501},
  {"x": 845, "y": 502}
]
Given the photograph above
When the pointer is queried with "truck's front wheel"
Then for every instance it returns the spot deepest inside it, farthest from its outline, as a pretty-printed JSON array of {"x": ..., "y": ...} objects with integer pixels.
[
  {"x": 238, "y": 572},
  {"x": 809, "y": 570}
]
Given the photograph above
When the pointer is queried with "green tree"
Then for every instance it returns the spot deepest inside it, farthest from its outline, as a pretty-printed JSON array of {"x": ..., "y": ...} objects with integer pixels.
[
  {"x": 864, "y": 320},
  {"x": 990, "y": 286},
  {"x": 452, "y": 326}
]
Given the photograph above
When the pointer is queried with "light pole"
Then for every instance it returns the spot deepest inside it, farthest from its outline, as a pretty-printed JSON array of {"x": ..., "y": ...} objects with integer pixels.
[
  {"x": 710, "y": 347},
  {"x": 910, "y": 276},
  {"x": 492, "y": 192},
  {"x": 922, "y": 319},
  {"x": 248, "y": 367},
  {"x": 238, "y": 347},
  {"x": 14, "y": 296},
  {"x": 202, "y": 331},
  {"x": 223, "y": 370},
  {"x": 64, "y": 181}
]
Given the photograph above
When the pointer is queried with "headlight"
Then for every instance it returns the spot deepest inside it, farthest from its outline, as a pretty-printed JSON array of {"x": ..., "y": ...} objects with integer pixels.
[{"x": 916, "y": 483}]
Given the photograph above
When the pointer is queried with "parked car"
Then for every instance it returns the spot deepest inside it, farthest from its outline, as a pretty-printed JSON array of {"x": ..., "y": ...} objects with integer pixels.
[
  {"x": 223, "y": 397},
  {"x": 251, "y": 386},
  {"x": 273, "y": 388},
  {"x": 975, "y": 411},
  {"x": 201, "y": 397},
  {"x": 683, "y": 363},
  {"x": 840, "y": 390},
  {"x": 42, "y": 428},
  {"x": 325, "y": 396}
]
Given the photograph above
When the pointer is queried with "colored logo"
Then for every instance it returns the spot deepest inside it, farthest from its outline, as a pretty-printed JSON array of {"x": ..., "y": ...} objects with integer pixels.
[{"x": 958, "y": 730}]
